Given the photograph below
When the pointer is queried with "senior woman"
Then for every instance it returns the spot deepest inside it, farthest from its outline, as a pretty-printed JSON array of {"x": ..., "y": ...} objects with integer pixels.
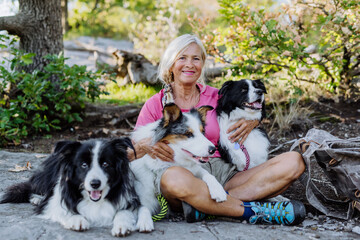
[{"x": 182, "y": 70}]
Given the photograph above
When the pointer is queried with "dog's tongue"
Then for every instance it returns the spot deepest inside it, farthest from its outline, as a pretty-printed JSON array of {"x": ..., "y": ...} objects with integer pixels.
[
  {"x": 200, "y": 159},
  {"x": 203, "y": 159},
  {"x": 95, "y": 195},
  {"x": 256, "y": 105}
]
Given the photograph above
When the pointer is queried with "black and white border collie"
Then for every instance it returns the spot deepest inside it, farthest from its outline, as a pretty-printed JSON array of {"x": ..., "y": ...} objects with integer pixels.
[
  {"x": 185, "y": 134},
  {"x": 83, "y": 184},
  {"x": 242, "y": 99}
]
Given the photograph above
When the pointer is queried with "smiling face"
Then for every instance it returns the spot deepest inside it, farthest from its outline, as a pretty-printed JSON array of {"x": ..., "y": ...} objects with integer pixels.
[
  {"x": 188, "y": 65},
  {"x": 99, "y": 167},
  {"x": 245, "y": 95},
  {"x": 91, "y": 171}
]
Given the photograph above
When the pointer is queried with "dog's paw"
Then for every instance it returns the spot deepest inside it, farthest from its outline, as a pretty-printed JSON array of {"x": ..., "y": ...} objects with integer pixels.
[
  {"x": 122, "y": 229},
  {"x": 217, "y": 191},
  {"x": 124, "y": 224},
  {"x": 145, "y": 226},
  {"x": 35, "y": 199},
  {"x": 218, "y": 195},
  {"x": 240, "y": 166},
  {"x": 145, "y": 223},
  {"x": 77, "y": 223}
]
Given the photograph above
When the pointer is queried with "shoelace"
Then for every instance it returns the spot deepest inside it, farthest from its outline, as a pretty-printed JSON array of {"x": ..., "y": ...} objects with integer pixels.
[{"x": 266, "y": 217}]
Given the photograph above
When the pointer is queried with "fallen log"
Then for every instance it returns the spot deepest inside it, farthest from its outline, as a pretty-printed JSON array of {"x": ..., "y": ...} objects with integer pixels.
[{"x": 135, "y": 68}]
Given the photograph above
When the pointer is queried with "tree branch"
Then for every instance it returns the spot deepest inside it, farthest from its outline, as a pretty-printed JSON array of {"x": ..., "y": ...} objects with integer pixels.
[
  {"x": 271, "y": 63},
  {"x": 346, "y": 61},
  {"x": 304, "y": 80},
  {"x": 17, "y": 24},
  {"x": 11, "y": 25},
  {"x": 314, "y": 5},
  {"x": 95, "y": 6},
  {"x": 326, "y": 70},
  {"x": 355, "y": 72},
  {"x": 357, "y": 63}
]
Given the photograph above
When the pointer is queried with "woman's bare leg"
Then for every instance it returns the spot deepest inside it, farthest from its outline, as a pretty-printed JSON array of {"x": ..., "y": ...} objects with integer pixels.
[
  {"x": 265, "y": 180},
  {"x": 268, "y": 179},
  {"x": 178, "y": 184}
]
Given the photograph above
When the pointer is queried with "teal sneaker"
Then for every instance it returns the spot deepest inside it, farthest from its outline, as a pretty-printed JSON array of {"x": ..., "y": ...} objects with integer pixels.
[
  {"x": 286, "y": 213},
  {"x": 192, "y": 215}
]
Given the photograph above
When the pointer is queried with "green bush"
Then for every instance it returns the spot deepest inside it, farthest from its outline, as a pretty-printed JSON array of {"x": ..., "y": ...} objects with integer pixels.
[{"x": 42, "y": 100}]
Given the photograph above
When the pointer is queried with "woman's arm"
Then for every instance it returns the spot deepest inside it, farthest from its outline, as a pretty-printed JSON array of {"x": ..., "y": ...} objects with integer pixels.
[{"x": 242, "y": 129}]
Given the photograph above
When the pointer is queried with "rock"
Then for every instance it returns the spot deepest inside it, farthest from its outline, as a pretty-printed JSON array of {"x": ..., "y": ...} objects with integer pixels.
[
  {"x": 356, "y": 230},
  {"x": 309, "y": 223}
]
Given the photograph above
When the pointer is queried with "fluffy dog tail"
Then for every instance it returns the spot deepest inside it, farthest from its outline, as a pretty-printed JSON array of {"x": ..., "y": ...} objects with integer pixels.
[{"x": 18, "y": 193}]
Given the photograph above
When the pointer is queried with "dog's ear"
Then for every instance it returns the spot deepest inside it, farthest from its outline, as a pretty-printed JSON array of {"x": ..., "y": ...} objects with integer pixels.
[
  {"x": 60, "y": 145},
  {"x": 203, "y": 110},
  {"x": 227, "y": 85},
  {"x": 259, "y": 84},
  {"x": 171, "y": 113},
  {"x": 66, "y": 147},
  {"x": 122, "y": 144}
]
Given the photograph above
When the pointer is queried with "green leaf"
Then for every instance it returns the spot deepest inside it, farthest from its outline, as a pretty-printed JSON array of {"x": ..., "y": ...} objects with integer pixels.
[
  {"x": 27, "y": 58},
  {"x": 271, "y": 24}
]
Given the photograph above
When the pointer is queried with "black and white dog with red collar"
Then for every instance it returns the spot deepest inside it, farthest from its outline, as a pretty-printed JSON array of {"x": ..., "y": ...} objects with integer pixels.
[{"x": 242, "y": 99}]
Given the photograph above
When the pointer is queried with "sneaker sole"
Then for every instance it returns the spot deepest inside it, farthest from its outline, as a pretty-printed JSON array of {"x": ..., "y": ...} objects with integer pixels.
[{"x": 300, "y": 211}]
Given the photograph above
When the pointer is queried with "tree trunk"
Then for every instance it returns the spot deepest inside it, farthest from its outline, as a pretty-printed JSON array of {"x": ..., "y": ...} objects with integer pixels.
[
  {"x": 38, "y": 24},
  {"x": 64, "y": 16}
]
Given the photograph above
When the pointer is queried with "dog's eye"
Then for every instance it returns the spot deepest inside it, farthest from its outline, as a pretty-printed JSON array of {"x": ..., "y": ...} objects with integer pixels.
[
  {"x": 189, "y": 134},
  {"x": 105, "y": 164},
  {"x": 84, "y": 165}
]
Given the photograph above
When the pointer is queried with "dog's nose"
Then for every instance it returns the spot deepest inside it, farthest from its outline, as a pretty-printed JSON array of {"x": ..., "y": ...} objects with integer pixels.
[
  {"x": 95, "y": 183},
  {"x": 212, "y": 150}
]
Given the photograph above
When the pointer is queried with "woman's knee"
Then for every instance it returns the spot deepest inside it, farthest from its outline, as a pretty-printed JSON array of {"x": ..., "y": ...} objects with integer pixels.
[
  {"x": 295, "y": 163},
  {"x": 176, "y": 182}
]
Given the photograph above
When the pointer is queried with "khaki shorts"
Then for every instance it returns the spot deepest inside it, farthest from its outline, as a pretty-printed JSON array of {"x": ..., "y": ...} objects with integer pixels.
[{"x": 220, "y": 169}]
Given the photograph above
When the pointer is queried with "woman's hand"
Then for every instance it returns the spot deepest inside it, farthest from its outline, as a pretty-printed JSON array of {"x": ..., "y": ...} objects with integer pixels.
[
  {"x": 159, "y": 150},
  {"x": 162, "y": 151},
  {"x": 242, "y": 129}
]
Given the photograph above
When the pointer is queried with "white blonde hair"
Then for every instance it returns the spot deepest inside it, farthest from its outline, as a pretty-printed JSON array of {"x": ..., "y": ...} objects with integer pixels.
[{"x": 176, "y": 47}]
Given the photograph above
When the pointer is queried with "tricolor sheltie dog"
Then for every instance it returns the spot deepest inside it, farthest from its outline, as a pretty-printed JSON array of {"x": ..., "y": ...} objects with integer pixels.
[
  {"x": 242, "y": 99},
  {"x": 84, "y": 184},
  {"x": 185, "y": 134}
]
